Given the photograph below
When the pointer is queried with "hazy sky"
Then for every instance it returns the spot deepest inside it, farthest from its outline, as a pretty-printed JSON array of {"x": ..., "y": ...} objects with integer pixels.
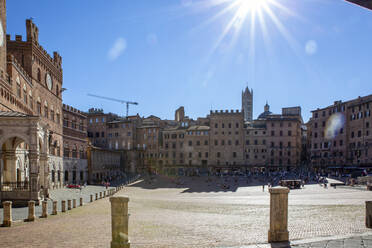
[{"x": 201, "y": 54}]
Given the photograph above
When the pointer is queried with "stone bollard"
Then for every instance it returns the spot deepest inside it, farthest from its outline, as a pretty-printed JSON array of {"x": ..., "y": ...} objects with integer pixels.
[
  {"x": 369, "y": 214},
  {"x": 31, "y": 211},
  {"x": 81, "y": 201},
  {"x": 96, "y": 196},
  {"x": 100, "y": 195},
  {"x": 69, "y": 204},
  {"x": 73, "y": 203},
  {"x": 104, "y": 194},
  {"x": 119, "y": 222},
  {"x": 63, "y": 206},
  {"x": 44, "y": 213},
  {"x": 91, "y": 198},
  {"x": 278, "y": 231},
  {"x": 54, "y": 212},
  {"x": 7, "y": 208}
]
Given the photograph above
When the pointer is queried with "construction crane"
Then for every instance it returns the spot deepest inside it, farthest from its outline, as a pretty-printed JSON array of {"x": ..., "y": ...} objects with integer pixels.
[{"x": 116, "y": 100}]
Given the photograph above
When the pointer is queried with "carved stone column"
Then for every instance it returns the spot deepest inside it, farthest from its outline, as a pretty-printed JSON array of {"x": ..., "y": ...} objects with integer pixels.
[
  {"x": 44, "y": 172},
  {"x": 10, "y": 167},
  {"x": 34, "y": 175}
]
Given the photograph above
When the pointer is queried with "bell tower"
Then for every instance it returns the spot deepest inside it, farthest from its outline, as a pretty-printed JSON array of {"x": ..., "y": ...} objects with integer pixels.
[
  {"x": 247, "y": 104},
  {"x": 2, "y": 37}
]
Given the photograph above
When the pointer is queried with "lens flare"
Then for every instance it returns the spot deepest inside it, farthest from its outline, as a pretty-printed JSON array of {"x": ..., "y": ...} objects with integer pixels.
[{"x": 333, "y": 126}]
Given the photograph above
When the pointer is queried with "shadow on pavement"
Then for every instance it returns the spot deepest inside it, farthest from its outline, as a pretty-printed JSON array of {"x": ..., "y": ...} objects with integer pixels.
[
  {"x": 200, "y": 184},
  {"x": 281, "y": 245}
]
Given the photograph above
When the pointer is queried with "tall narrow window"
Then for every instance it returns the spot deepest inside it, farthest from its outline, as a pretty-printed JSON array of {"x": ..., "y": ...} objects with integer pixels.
[
  {"x": 25, "y": 94},
  {"x": 38, "y": 75},
  {"x": 46, "y": 112},
  {"x": 31, "y": 100},
  {"x": 38, "y": 105},
  {"x": 18, "y": 87},
  {"x": 52, "y": 114}
]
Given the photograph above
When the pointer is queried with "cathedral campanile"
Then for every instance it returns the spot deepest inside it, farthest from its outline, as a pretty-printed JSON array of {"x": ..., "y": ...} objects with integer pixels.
[{"x": 247, "y": 104}]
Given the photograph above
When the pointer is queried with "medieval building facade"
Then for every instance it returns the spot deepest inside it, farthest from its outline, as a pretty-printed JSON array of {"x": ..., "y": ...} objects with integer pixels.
[
  {"x": 75, "y": 145},
  {"x": 30, "y": 115},
  {"x": 340, "y": 135}
]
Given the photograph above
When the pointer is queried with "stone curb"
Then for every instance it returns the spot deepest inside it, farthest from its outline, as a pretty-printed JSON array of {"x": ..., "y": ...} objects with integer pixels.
[{"x": 302, "y": 241}]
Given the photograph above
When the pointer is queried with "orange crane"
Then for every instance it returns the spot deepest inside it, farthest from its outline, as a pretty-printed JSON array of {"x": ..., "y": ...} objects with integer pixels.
[{"x": 116, "y": 100}]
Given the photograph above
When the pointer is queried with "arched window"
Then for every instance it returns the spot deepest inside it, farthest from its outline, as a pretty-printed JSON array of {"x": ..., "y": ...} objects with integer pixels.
[
  {"x": 82, "y": 153},
  {"x": 74, "y": 152},
  {"x": 66, "y": 151}
]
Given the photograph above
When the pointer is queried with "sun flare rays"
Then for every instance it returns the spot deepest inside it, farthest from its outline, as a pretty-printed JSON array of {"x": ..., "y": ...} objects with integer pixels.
[{"x": 253, "y": 17}]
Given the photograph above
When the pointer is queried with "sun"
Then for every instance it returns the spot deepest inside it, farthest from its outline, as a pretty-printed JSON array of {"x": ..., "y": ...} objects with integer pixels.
[{"x": 246, "y": 6}]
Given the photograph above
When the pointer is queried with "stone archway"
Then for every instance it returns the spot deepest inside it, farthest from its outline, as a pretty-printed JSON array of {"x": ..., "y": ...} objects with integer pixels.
[{"x": 22, "y": 143}]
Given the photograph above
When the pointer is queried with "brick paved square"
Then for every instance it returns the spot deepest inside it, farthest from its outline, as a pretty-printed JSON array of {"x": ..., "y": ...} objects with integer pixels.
[{"x": 198, "y": 215}]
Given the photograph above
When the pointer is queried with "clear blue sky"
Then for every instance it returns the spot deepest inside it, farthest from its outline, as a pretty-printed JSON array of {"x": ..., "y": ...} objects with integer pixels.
[{"x": 165, "y": 53}]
